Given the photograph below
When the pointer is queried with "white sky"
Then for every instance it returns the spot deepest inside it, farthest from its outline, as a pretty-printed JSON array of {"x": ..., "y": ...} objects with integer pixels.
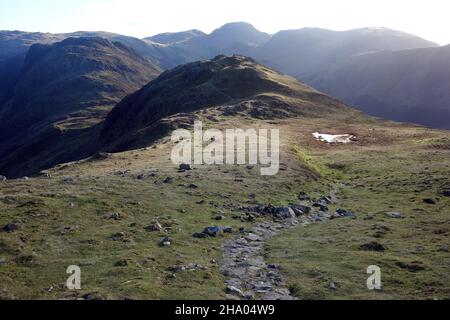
[{"x": 141, "y": 18}]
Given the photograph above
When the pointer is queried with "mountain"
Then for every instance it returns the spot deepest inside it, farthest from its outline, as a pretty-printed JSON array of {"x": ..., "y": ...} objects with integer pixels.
[
  {"x": 306, "y": 52},
  {"x": 63, "y": 86},
  {"x": 231, "y": 38},
  {"x": 142, "y": 229},
  {"x": 230, "y": 86},
  {"x": 14, "y": 46},
  {"x": 405, "y": 85},
  {"x": 173, "y": 37},
  {"x": 235, "y": 84}
]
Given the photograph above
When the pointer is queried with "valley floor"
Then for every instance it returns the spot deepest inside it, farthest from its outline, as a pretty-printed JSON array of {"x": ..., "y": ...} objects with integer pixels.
[{"x": 99, "y": 213}]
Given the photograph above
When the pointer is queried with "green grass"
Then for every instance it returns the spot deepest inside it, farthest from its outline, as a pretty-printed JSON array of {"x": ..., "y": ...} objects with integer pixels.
[
  {"x": 67, "y": 224},
  {"x": 394, "y": 177}
]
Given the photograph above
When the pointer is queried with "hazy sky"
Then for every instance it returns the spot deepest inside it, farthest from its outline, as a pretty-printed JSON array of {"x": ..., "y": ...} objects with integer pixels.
[{"x": 141, "y": 18}]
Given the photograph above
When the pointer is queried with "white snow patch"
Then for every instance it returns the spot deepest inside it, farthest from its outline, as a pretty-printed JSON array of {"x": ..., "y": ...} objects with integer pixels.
[{"x": 334, "y": 138}]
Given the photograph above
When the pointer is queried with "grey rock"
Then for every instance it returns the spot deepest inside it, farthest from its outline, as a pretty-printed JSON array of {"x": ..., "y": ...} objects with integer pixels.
[
  {"x": 68, "y": 180},
  {"x": 3, "y": 178},
  {"x": 304, "y": 197},
  {"x": 11, "y": 227},
  {"x": 168, "y": 180},
  {"x": 165, "y": 242},
  {"x": 121, "y": 263},
  {"x": 115, "y": 216},
  {"x": 227, "y": 230},
  {"x": 234, "y": 290},
  {"x": 393, "y": 215},
  {"x": 300, "y": 210},
  {"x": 185, "y": 167},
  {"x": 140, "y": 177},
  {"x": 219, "y": 217},
  {"x": 321, "y": 206},
  {"x": 429, "y": 201},
  {"x": 253, "y": 237},
  {"x": 212, "y": 231},
  {"x": 2, "y": 261},
  {"x": 341, "y": 213},
  {"x": 155, "y": 226},
  {"x": 118, "y": 236},
  {"x": 200, "y": 235}
]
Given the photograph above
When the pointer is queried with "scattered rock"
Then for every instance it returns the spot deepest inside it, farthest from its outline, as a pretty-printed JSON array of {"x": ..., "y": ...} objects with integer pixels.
[
  {"x": 321, "y": 206},
  {"x": 325, "y": 200},
  {"x": 373, "y": 246},
  {"x": 165, "y": 242},
  {"x": 333, "y": 286},
  {"x": 2, "y": 261},
  {"x": 200, "y": 235},
  {"x": 24, "y": 259},
  {"x": 93, "y": 297},
  {"x": 212, "y": 231},
  {"x": 227, "y": 230},
  {"x": 394, "y": 215},
  {"x": 121, "y": 263},
  {"x": 252, "y": 196},
  {"x": 304, "y": 197},
  {"x": 253, "y": 237},
  {"x": 234, "y": 290},
  {"x": 140, "y": 176},
  {"x": 300, "y": 210},
  {"x": 429, "y": 201},
  {"x": 155, "y": 226},
  {"x": 341, "y": 213},
  {"x": 168, "y": 180},
  {"x": 11, "y": 227},
  {"x": 115, "y": 216},
  {"x": 188, "y": 267},
  {"x": 118, "y": 236},
  {"x": 415, "y": 266},
  {"x": 185, "y": 167},
  {"x": 219, "y": 217},
  {"x": 68, "y": 180},
  {"x": 3, "y": 178}
]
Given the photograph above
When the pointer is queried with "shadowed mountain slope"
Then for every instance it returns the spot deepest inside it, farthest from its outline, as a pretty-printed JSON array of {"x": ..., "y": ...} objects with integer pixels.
[
  {"x": 305, "y": 52},
  {"x": 66, "y": 86},
  {"x": 232, "y": 83},
  {"x": 406, "y": 85},
  {"x": 223, "y": 87}
]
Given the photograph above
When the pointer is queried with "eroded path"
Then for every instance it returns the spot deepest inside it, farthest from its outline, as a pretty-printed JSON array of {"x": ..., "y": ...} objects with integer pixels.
[{"x": 248, "y": 275}]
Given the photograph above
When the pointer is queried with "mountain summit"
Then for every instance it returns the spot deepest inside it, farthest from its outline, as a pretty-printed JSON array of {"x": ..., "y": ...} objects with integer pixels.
[{"x": 232, "y": 83}]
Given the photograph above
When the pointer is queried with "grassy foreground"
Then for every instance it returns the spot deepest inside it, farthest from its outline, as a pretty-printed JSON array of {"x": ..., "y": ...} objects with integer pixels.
[
  {"x": 396, "y": 172},
  {"x": 66, "y": 219}
]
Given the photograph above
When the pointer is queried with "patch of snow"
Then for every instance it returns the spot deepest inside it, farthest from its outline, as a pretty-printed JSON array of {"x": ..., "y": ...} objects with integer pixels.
[{"x": 337, "y": 138}]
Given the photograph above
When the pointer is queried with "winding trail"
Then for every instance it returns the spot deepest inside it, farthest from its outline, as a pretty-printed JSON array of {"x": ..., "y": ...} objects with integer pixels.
[{"x": 248, "y": 276}]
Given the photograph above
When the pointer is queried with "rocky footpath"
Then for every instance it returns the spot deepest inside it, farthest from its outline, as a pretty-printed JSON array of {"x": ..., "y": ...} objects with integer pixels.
[{"x": 248, "y": 275}]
